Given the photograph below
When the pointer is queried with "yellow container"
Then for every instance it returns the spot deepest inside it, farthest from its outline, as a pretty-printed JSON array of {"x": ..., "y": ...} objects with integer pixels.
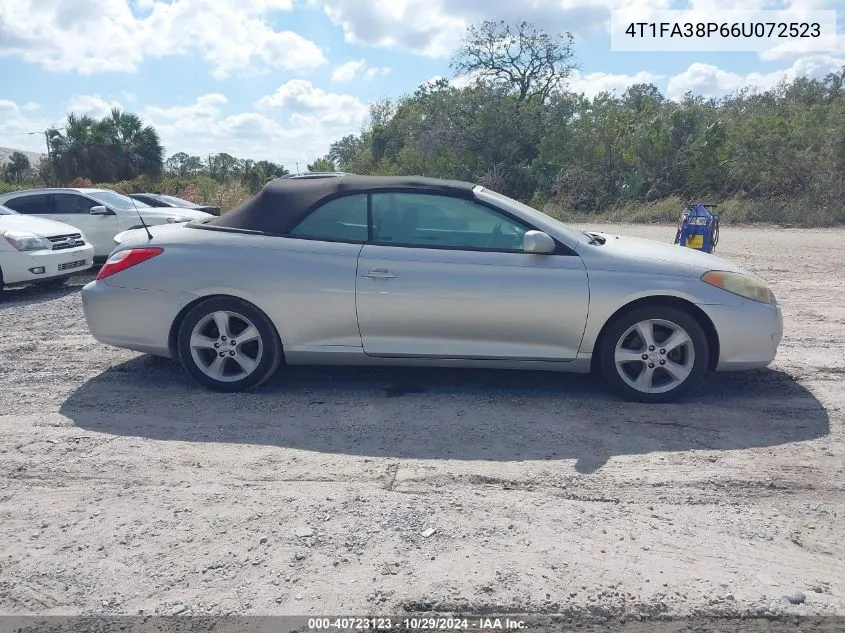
[{"x": 695, "y": 241}]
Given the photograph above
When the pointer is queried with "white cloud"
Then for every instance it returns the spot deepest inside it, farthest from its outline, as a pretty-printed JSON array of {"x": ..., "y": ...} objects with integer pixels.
[
  {"x": 434, "y": 28},
  {"x": 593, "y": 84},
  {"x": 708, "y": 80},
  {"x": 312, "y": 105},
  {"x": 19, "y": 130},
  {"x": 91, "y": 36},
  {"x": 304, "y": 131},
  {"x": 357, "y": 69},
  {"x": 92, "y": 105}
]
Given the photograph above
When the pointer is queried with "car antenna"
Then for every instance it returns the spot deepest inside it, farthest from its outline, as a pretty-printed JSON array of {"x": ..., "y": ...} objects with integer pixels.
[{"x": 141, "y": 217}]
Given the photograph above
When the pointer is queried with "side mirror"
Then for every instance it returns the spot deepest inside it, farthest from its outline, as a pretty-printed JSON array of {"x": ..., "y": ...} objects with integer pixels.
[
  {"x": 538, "y": 243},
  {"x": 98, "y": 210}
]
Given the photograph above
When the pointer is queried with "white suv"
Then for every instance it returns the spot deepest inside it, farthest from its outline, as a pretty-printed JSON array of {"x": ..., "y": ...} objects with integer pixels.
[{"x": 99, "y": 213}]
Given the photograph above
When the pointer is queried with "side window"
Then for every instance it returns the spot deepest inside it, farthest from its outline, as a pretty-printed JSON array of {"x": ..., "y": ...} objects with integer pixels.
[
  {"x": 342, "y": 219},
  {"x": 411, "y": 219},
  {"x": 31, "y": 205},
  {"x": 68, "y": 203}
]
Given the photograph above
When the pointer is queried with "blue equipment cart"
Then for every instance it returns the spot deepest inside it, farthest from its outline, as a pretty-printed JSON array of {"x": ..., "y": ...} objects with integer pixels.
[{"x": 698, "y": 228}]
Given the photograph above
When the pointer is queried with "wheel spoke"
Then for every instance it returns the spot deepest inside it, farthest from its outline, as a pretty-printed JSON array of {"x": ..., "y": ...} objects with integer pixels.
[
  {"x": 644, "y": 380},
  {"x": 249, "y": 334},
  {"x": 202, "y": 341},
  {"x": 678, "y": 372},
  {"x": 215, "y": 369},
  {"x": 645, "y": 330},
  {"x": 678, "y": 338},
  {"x": 247, "y": 364},
  {"x": 628, "y": 356},
  {"x": 221, "y": 319}
]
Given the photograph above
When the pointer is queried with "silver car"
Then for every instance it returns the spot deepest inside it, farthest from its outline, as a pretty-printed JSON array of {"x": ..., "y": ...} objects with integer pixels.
[{"x": 361, "y": 270}]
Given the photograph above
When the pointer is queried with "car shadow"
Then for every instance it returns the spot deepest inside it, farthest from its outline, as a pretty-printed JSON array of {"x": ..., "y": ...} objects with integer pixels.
[
  {"x": 32, "y": 294},
  {"x": 466, "y": 414}
]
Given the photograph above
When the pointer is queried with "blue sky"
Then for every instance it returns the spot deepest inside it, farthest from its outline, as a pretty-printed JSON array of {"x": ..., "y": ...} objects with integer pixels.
[{"x": 281, "y": 79}]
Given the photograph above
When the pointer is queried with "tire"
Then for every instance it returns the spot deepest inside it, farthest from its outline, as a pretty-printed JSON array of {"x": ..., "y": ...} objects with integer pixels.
[
  {"x": 55, "y": 282},
  {"x": 247, "y": 364},
  {"x": 667, "y": 373}
]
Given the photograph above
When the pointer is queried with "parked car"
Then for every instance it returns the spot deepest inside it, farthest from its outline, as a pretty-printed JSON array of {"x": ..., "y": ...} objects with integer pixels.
[
  {"x": 39, "y": 251},
  {"x": 163, "y": 200},
  {"x": 99, "y": 213},
  {"x": 418, "y": 271}
]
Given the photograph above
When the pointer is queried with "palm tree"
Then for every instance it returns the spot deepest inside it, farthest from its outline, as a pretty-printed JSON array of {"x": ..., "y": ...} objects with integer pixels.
[
  {"x": 136, "y": 148},
  {"x": 79, "y": 150},
  {"x": 117, "y": 147}
]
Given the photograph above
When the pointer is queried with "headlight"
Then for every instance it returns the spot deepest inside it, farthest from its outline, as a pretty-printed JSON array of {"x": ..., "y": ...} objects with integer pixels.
[
  {"x": 176, "y": 220},
  {"x": 24, "y": 241},
  {"x": 739, "y": 284}
]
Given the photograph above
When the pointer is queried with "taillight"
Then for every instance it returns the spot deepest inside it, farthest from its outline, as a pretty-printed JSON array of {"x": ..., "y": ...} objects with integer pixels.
[{"x": 127, "y": 259}]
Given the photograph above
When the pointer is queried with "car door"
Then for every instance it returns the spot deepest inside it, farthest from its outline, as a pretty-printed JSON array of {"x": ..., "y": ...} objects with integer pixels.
[
  {"x": 75, "y": 209},
  {"x": 314, "y": 278},
  {"x": 446, "y": 277}
]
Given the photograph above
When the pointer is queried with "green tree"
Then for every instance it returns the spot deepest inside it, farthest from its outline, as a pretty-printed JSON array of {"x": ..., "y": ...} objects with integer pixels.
[
  {"x": 521, "y": 57},
  {"x": 136, "y": 148},
  {"x": 321, "y": 164},
  {"x": 117, "y": 147},
  {"x": 18, "y": 166}
]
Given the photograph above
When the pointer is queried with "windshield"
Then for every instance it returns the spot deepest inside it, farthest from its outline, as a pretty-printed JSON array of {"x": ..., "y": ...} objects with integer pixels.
[
  {"x": 116, "y": 200},
  {"x": 7, "y": 211},
  {"x": 185, "y": 204},
  {"x": 528, "y": 212}
]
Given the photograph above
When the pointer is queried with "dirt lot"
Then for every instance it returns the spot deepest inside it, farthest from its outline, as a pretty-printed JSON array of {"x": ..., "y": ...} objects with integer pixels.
[{"x": 125, "y": 487}]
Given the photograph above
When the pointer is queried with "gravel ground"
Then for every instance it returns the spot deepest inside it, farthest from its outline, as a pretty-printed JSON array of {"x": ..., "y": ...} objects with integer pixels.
[{"x": 125, "y": 488}]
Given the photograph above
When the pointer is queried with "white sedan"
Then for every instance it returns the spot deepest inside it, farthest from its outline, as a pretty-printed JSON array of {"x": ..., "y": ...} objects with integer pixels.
[{"x": 43, "y": 252}]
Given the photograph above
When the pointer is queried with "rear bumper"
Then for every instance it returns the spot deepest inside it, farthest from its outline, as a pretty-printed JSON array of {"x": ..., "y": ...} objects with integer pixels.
[
  {"x": 134, "y": 319},
  {"x": 17, "y": 267},
  {"x": 749, "y": 334}
]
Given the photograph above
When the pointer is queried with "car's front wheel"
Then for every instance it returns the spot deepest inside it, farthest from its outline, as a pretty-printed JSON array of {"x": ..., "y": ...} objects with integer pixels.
[
  {"x": 654, "y": 353},
  {"x": 228, "y": 344}
]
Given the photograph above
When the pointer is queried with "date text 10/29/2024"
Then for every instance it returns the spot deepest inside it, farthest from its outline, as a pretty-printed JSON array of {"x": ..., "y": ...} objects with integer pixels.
[{"x": 415, "y": 624}]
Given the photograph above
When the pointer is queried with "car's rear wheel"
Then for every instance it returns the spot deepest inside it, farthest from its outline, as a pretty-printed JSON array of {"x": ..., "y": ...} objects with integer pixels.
[
  {"x": 654, "y": 353},
  {"x": 228, "y": 344}
]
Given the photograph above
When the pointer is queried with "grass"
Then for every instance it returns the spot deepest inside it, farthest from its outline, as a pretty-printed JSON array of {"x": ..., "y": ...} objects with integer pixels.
[{"x": 794, "y": 212}]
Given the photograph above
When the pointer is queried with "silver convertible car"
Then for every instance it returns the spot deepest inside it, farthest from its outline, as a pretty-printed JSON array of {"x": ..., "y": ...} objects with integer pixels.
[{"x": 359, "y": 270}]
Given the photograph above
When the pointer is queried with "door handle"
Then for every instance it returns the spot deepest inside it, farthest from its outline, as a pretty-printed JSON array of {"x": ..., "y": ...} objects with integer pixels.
[{"x": 379, "y": 273}]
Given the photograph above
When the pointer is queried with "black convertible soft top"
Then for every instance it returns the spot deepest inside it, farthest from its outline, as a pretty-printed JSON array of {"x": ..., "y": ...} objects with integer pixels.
[{"x": 283, "y": 202}]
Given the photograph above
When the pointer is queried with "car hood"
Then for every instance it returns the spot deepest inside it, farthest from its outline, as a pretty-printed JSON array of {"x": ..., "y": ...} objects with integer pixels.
[
  {"x": 39, "y": 226},
  {"x": 626, "y": 252}
]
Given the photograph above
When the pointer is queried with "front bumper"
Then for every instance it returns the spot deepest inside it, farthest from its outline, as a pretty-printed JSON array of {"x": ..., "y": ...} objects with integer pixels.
[
  {"x": 131, "y": 318},
  {"x": 749, "y": 334},
  {"x": 18, "y": 267}
]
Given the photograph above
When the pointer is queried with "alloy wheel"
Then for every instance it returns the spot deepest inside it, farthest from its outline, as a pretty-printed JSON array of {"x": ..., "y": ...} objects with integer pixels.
[
  {"x": 226, "y": 346},
  {"x": 654, "y": 356}
]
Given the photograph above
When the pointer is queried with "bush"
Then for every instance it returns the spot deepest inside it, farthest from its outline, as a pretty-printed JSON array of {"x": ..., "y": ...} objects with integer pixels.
[
  {"x": 7, "y": 187},
  {"x": 735, "y": 210}
]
